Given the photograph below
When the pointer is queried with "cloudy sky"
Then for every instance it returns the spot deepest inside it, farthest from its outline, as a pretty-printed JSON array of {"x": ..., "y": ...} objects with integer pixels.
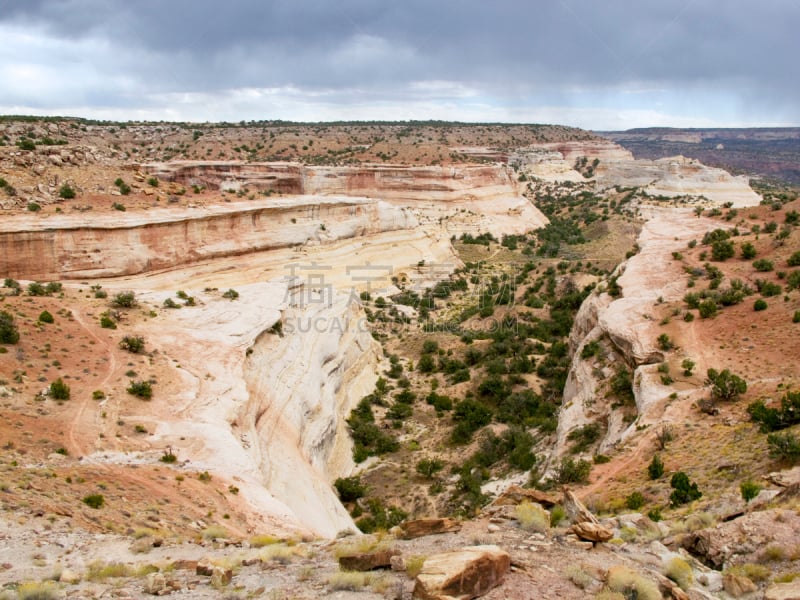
[{"x": 597, "y": 64}]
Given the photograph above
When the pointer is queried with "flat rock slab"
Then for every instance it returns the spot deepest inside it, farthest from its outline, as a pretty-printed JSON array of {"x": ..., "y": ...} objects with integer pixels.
[
  {"x": 367, "y": 561},
  {"x": 783, "y": 591},
  {"x": 592, "y": 532},
  {"x": 462, "y": 574},
  {"x": 516, "y": 495},
  {"x": 420, "y": 527}
]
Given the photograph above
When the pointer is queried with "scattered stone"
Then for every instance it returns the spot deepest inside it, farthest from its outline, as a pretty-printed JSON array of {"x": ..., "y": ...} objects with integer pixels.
[
  {"x": 462, "y": 574},
  {"x": 368, "y": 561},
  {"x": 157, "y": 584},
  {"x": 737, "y": 585},
  {"x": 592, "y": 532},
  {"x": 204, "y": 567},
  {"x": 516, "y": 495},
  {"x": 398, "y": 563},
  {"x": 249, "y": 562},
  {"x": 421, "y": 527},
  {"x": 783, "y": 591},
  {"x": 220, "y": 576},
  {"x": 492, "y": 528},
  {"x": 184, "y": 565},
  {"x": 69, "y": 576}
]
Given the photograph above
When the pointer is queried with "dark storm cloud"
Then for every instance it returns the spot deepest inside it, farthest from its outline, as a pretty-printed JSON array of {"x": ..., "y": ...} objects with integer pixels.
[{"x": 506, "y": 48}]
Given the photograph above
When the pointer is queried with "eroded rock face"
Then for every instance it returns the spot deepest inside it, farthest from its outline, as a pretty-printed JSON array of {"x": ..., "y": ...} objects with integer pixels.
[
  {"x": 783, "y": 591},
  {"x": 462, "y": 574},
  {"x": 420, "y": 527}
]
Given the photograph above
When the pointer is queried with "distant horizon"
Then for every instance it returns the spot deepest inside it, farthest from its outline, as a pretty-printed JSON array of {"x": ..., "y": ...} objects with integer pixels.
[{"x": 333, "y": 122}]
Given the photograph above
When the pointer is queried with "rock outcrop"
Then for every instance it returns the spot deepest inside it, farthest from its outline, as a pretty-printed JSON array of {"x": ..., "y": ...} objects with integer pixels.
[{"x": 462, "y": 574}]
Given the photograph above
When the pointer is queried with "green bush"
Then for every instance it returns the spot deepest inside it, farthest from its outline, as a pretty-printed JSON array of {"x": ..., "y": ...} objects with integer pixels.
[
  {"x": 683, "y": 490},
  {"x": 763, "y": 265},
  {"x": 9, "y": 334},
  {"x": 46, "y": 317},
  {"x": 784, "y": 446},
  {"x": 773, "y": 419},
  {"x": 132, "y": 343},
  {"x": 722, "y": 250},
  {"x": 748, "y": 251},
  {"x": 231, "y": 294},
  {"x": 66, "y": 192},
  {"x": 707, "y": 308},
  {"x": 794, "y": 259},
  {"x": 34, "y": 206},
  {"x": 584, "y": 436},
  {"x": 94, "y": 500},
  {"x": 26, "y": 144},
  {"x": 59, "y": 390},
  {"x": 664, "y": 343},
  {"x": 571, "y": 471},
  {"x": 428, "y": 467},
  {"x": 106, "y": 322},
  {"x": 759, "y": 305},
  {"x": 634, "y": 501},
  {"x": 119, "y": 207},
  {"x": 140, "y": 389},
  {"x": 656, "y": 467},
  {"x": 124, "y": 300},
  {"x": 749, "y": 490},
  {"x": 152, "y": 181},
  {"x": 350, "y": 489},
  {"x": 725, "y": 385}
]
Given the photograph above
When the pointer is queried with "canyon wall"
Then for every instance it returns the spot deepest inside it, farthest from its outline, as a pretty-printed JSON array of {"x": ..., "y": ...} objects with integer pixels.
[{"x": 74, "y": 246}]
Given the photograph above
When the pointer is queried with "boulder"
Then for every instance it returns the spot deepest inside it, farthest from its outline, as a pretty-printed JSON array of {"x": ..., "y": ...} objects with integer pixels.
[
  {"x": 158, "y": 585},
  {"x": 783, "y": 591},
  {"x": 367, "y": 561},
  {"x": 221, "y": 576},
  {"x": 420, "y": 527},
  {"x": 461, "y": 574},
  {"x": 69, "y": 576},
  {"x": 576, "y": 510},
  {"x": 738, "y": 586},
  {"x": 204, "y": 566},
  {"x": 592, "y": 532},
  {"x": 516, "y": 495}
]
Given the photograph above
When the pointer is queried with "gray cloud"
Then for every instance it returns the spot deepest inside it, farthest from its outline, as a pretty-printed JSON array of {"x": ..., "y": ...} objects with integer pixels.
[{"x": 684, "y": 56}]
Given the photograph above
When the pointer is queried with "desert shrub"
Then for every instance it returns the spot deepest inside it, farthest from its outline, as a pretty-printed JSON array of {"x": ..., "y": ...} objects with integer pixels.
[
  {"x": 794, "y": 259},
  {"x": 350, "y": 488},
  {"x": 170, "y": 303},
  {"x": 34, "y": 206},
  {"x": 656, "y": 467},
  {"x": 707, "y": 308},
  {"x": 725, "y": 385},
  {"x": 557, "y": 514},
  {"x": 46, "y": 317},
  {"x": 9, "y": 334},
  {"x": 132, "y": 343},
  {"x": 168, "y": 456},
  {"x": 125, "y": 299},
  {"x": 140, "y": 389},
  {"x": 748, "y": 251},
  {"x": 772, "y": 419},
  {"x": 152, "y": 181},
  {"x": 679, "y": 571},
  {"x": 763, "y": 265},
  {"x": 572, "y": 471},
  {"x": 784, "y": 446},
  {"x": 349, "y": 581},
  {"x": 428, "y": 467},
  {"x": 722, "y": 250},
  {"x": 752, "y": 571},
  {"x": 106, "y": 322},
  {"x": 664, "y": 343},
  {"x": 683, "y": 490},
  {"x": 634, "y": 501},
  {"x": 231, "y": 294},
  {"x": 426, "y": 364},
  {"x": 59, "y": 390},
  {"x": 469, "y": 416},
  {"x": 532, "y": 517},
  {"x": 66, "y": 192},
  {"x": 632, "y": 585},
  {"x": 759, "y": 305},
  {"x": 94, "y": 500},
  {"x": 583, "y": 437},
  {"x": 36, "y": 590},
  {"x": 749, "y": 490},
  {"x": 687, "y": 365}
]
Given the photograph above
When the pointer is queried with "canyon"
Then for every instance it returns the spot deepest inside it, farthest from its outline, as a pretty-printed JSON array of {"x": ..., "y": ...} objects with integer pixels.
[{"x": 254, "y": 387}]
